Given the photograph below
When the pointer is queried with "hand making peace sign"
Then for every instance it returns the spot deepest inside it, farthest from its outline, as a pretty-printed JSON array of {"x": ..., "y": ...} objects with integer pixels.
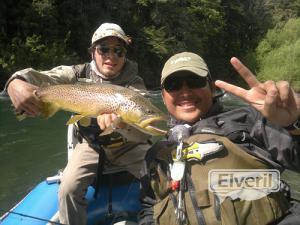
[{"x": 277, "y": 101}]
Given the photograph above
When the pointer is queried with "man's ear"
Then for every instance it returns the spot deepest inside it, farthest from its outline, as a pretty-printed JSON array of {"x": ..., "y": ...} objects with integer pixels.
[
  {"x": 212, "y": 86},
  {"x": 162, "y": 96},
  {"x": 216, "y": 92},
  {"x": 92, "y": 52}
]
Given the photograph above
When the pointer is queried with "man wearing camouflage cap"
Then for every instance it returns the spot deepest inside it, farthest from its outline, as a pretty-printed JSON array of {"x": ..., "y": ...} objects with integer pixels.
[{"x": 108, "y": 65}]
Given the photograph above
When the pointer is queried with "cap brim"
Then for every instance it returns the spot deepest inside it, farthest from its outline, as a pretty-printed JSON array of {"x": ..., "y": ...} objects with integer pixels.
[{"x": 122, "y": 39}]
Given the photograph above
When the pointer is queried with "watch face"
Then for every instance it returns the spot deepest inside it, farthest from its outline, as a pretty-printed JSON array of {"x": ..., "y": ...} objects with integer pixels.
[
  {"x": 294, "y": 126},
  {"x": 297, "y": 124}
]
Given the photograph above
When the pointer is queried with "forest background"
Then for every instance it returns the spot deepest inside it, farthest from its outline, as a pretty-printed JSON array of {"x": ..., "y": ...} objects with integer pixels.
[{"x": 264, "y": 34}]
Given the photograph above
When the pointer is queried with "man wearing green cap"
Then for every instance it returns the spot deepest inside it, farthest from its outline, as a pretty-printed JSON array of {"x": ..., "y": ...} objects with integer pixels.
[
  {"x": 109, "y": 64},
  {"x": 211, "y": 167}
]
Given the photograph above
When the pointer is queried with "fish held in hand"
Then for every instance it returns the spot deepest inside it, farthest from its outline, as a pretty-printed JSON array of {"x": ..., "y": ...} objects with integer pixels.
[{"x": 91, "y": 100}]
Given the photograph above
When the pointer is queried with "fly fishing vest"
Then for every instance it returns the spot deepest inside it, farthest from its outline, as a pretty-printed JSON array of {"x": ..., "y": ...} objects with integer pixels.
[
  {"x": 127, "y": 78},
  {"x": 200, "y": 205},
  {"x": 92, "y": 133}
]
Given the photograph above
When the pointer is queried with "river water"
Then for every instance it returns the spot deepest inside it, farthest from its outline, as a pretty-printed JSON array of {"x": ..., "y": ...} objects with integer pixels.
[
  {"x": 30, "y": 150},
  {"x": 33, "y": 149}
]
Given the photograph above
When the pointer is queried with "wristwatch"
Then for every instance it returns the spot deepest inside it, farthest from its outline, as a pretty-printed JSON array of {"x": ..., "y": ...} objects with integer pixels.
[{"x": 294, "y": 126}]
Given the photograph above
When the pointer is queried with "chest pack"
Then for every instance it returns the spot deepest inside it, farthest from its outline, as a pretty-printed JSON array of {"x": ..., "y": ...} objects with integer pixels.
[
  {"x": 91, "y": 133},
  {"x": 190, "y": 200}
]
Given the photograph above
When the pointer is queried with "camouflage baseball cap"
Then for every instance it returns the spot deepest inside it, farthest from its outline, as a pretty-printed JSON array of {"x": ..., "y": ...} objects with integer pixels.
[
  {"x": 184, "y": 61},
  {"x": 110, "y": 30}
]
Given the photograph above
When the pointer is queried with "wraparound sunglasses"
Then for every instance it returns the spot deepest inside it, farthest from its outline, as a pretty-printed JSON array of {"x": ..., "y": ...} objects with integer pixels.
[{"x": 175, "y": 83}]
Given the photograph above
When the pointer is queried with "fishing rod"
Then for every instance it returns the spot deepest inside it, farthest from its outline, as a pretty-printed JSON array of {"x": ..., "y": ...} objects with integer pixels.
[{"x": 28, "y": 216}]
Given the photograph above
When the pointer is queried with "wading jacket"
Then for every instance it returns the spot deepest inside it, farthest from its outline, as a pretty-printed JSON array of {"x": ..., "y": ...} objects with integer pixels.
[{"x": 251, "y": 142}]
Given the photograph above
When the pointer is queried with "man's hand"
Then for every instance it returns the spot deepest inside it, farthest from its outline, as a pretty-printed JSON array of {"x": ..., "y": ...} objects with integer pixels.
[
  {"x": 277, "y": 101},
  {"x": 22, "y": 96},
  {"x": 109, "y": 119}
]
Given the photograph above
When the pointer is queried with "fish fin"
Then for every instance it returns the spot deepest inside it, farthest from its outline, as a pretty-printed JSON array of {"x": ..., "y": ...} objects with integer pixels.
[
  {"x": 131, "y": 134},
  {"x": 107, "y": 131},
  {"x": 116, "y": 122},
  {"x": 74, "y": 119},
  {"x": 141, "y": 92},
  {"x": 20, "y": 115},
  {"x": 48, "y": 110},
  {"x": 112, "y": 127},
  {"x": 85, "y": 121},
  {"x": 45, "y": 84}
]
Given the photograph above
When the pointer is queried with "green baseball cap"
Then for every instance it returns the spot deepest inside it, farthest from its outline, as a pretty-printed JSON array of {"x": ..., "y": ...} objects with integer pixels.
[{"x": 184, "y": 61}]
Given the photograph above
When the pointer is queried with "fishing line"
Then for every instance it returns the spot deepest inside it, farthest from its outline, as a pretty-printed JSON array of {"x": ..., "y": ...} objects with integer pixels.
[
  {"x": 129, "y": 190},
  {"x": 32, "y": 217}
]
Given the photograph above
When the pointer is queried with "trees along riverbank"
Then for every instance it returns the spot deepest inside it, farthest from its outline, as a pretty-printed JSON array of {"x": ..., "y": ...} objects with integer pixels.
[{"x": 42, "y": 34}]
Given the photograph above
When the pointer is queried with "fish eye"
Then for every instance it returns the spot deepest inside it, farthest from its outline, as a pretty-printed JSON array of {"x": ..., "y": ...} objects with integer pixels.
[{"x": 149, "y": 111}]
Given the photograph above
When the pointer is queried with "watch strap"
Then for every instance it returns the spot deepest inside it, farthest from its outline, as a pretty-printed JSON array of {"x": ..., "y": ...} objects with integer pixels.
[{"x": 294, "y": 126}]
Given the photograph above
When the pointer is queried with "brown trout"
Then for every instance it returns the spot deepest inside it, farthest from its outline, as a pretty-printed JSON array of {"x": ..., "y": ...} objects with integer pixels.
[{"x": 91, "y": 100}]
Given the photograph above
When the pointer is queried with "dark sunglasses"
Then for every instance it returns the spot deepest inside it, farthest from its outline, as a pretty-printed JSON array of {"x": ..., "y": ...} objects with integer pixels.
[
  {"x": 175, "y": 83},
  {"x": 104, "y": 50}
]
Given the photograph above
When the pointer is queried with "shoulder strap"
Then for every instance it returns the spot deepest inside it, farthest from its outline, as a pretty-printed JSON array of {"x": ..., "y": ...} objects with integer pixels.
[
  {"x": 192, "y": 192},
  {"x": 82, "y": 71}
]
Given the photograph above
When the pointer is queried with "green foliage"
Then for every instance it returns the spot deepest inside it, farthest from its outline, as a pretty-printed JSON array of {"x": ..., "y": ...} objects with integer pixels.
[
  {"x": 158, "y": 41},
  {"x": 170, "y": 27},
  {"x": 278, "y": 54},
  {"x": 46, "y": 33},
  {"x": 266, "y": 14},
  {"x": 32, "y": 51}
]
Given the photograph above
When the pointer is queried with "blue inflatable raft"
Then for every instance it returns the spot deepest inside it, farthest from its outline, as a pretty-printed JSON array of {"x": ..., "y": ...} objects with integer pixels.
[{"x": 118, "y": 201}]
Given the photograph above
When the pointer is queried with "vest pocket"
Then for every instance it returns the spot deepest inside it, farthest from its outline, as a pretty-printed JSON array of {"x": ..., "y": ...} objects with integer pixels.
[
  {"x": 164, "y": 212},
  {"x": 256, "y": 212},
  {"x": 205, "y": 204},
  {"x": 203, "y": 198}
]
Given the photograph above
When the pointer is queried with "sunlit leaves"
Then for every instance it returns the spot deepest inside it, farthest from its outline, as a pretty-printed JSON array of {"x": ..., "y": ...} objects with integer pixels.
[{"x": 279, "y": 53}]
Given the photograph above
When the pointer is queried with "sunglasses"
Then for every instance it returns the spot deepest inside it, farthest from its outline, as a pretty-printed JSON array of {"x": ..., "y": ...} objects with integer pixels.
[
  {"x": 104, "y": 50},
  {"x": 175, "y": 83}
]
